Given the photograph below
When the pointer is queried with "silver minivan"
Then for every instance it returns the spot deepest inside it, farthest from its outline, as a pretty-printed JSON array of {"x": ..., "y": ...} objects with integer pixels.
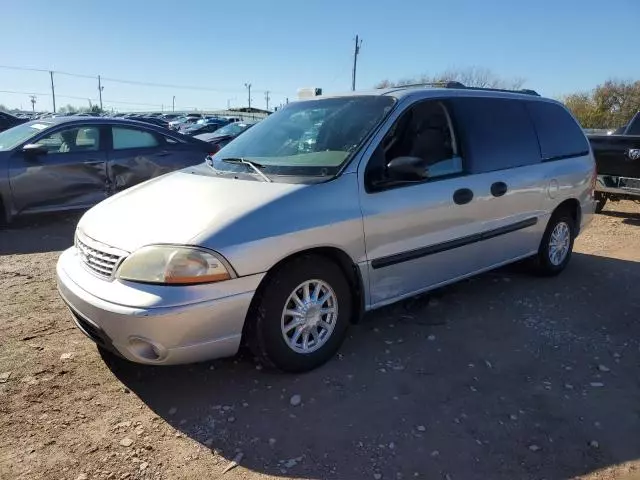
[{"x": 328, "y": 208}]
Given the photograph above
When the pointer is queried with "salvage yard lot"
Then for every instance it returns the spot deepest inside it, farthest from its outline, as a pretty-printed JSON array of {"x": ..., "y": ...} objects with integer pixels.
[{"x": 502, "y": 376}]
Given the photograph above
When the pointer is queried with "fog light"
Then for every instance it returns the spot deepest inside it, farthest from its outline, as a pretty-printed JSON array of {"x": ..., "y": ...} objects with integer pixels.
[{"x": 146, "y": 349}]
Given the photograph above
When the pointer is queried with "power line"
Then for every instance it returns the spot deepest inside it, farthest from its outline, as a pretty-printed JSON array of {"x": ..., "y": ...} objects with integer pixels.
[
  {"x": 75, "y": 97},
  {"x": 111, "y": 102},
  {"x": 131, "y": 82}
]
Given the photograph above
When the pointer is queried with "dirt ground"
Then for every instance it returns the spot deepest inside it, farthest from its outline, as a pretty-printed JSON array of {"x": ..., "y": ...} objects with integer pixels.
[{"x": 505, "y": 376}]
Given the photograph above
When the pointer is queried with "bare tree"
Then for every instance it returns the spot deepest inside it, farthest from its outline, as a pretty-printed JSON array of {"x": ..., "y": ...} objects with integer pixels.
[{"x": 470, "y": 76}]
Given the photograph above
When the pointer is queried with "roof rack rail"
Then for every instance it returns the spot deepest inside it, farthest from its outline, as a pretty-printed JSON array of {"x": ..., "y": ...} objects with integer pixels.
[
  {"x": 444, "y": 84},
  {"x": 453, "y": 84}
]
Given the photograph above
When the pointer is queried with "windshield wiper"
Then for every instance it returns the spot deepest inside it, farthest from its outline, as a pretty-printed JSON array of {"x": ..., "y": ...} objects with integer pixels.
[{"x": 253, "y": 165}]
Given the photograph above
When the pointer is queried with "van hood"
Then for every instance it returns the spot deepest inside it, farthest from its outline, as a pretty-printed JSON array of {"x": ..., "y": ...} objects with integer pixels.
[{"x": 176, "y": 208}]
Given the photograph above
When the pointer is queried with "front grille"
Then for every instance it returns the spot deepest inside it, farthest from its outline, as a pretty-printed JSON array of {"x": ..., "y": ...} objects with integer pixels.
[{"x": 99, "y": 259}]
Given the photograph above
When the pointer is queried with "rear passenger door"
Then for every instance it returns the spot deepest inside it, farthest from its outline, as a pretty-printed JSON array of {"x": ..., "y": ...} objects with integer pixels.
[
  {"x": 138, "y": 154},
  {"x": 503, "y": 155}
]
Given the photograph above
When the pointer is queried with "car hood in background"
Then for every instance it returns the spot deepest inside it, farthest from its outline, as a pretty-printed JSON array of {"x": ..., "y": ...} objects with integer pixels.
[
  {"x": 176, "y": 208},
  {"x": 212, "y": 137}
]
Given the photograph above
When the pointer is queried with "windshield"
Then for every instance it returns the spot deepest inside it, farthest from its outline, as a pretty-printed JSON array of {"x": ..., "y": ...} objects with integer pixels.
[
  {"x": 231, "y": 130},
  {"x": 313, "y": 137},
  {"x": 13, "y": 137}
]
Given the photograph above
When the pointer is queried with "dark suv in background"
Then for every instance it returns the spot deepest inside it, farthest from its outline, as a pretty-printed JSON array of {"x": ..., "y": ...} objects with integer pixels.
[{"x": 7, "y": 121}]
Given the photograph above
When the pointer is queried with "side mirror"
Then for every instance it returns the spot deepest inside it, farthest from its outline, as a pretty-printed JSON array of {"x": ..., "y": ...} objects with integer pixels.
[
  {"x": 407, "y": 169},
  {"x": 34, "y": 149}
]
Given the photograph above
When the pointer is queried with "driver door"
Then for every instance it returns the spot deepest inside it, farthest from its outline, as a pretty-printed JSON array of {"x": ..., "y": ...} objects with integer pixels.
[
  {"x": 71, "y": 174},
  {"x": 413, "y": 230}
]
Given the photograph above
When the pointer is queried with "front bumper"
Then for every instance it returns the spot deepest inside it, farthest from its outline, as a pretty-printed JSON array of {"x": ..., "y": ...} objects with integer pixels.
[{"x": 155, "y": 324}]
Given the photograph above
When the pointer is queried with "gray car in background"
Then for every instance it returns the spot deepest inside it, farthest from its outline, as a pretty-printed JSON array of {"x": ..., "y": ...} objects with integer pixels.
[
  {"x": 67, "y": 163},
  {"x": 326, "y": 209}
]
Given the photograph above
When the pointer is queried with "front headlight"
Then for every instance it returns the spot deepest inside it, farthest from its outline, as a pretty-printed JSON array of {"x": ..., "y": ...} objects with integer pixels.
[{"x": 170, "y": 264}]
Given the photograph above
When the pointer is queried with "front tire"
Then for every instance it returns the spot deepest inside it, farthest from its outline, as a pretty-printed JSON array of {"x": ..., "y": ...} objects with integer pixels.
[
  {"x": 301, "y": 316},
  {"x": 556, "y": 245}
]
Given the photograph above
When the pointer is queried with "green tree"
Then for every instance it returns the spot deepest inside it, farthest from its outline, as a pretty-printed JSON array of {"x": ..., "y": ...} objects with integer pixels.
[{"x": 609, "y": 105}]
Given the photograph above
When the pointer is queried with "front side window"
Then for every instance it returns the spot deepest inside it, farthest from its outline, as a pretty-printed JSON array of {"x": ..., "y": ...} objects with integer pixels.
[
  {"x": 124, "y": 138},
  {"x": 72, "y": 140},
  {"x": 314, "y": 137},
  {"x": 424, "y": 131}
]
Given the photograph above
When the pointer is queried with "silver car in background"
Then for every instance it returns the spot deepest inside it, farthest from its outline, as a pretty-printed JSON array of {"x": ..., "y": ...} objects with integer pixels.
[{"x": 282, "y": 240}]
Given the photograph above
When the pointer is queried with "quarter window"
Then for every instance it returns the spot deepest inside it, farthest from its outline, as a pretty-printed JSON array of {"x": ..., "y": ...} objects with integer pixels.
[
  {"x": 124, "y": 138},
  {"x": 70, "y": 140},
  {"x": 559, "y": 134}
]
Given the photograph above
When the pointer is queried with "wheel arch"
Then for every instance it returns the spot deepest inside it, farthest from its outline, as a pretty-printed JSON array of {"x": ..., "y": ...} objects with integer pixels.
[
  {"x": 333, "y": 254},
  {"x": 572, "y": 207}
]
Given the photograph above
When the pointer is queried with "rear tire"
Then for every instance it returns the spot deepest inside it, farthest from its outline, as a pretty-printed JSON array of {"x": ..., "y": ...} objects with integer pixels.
[
  {"x": 556, "y": 245},
  {"x": 301, "y": 316},
  {"x": 601, "y": 201}
]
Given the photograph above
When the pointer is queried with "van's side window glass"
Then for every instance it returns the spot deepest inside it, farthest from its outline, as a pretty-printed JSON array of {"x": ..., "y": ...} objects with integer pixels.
[
  {"x": 424, "y": 131},
  {"x": 559, "y": 134},
  {"x": 498, "y": 133}
]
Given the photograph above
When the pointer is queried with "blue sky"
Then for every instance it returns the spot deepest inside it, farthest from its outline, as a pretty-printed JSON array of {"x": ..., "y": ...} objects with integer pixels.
[{"x": 558, "y": 46}]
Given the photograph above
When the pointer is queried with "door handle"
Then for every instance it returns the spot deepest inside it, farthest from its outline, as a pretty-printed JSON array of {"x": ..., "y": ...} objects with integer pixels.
[
  {"x": 498, "y": 189},
  {"x": 163, "y": 153},
  {"x": 462, "y": 196}
]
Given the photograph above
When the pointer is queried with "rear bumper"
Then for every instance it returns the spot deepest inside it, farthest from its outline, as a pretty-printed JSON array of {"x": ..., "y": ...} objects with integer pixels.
[
  {"x": 199, "y": 330},
  {"x": 618, "y": 186}
]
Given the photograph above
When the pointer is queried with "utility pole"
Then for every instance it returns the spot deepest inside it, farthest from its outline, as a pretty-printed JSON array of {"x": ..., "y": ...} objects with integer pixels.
[
  {"x": 173, "y": 104},
  {"x": 356, "y": 51},
  {"x": 53, "y": 91},
  {"x": 248, "y": 86},
  {"x": 267, "y": 98},
  {"x": 100, "y": 88},
  {"x": 33, "y": 102}
]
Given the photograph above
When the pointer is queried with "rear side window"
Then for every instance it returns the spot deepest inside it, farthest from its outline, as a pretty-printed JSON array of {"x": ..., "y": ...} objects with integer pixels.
[
  {"x": 124, "y": 138},
  {"x": 497, "y": 134},
  {"x": 559, "y": 134}
]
